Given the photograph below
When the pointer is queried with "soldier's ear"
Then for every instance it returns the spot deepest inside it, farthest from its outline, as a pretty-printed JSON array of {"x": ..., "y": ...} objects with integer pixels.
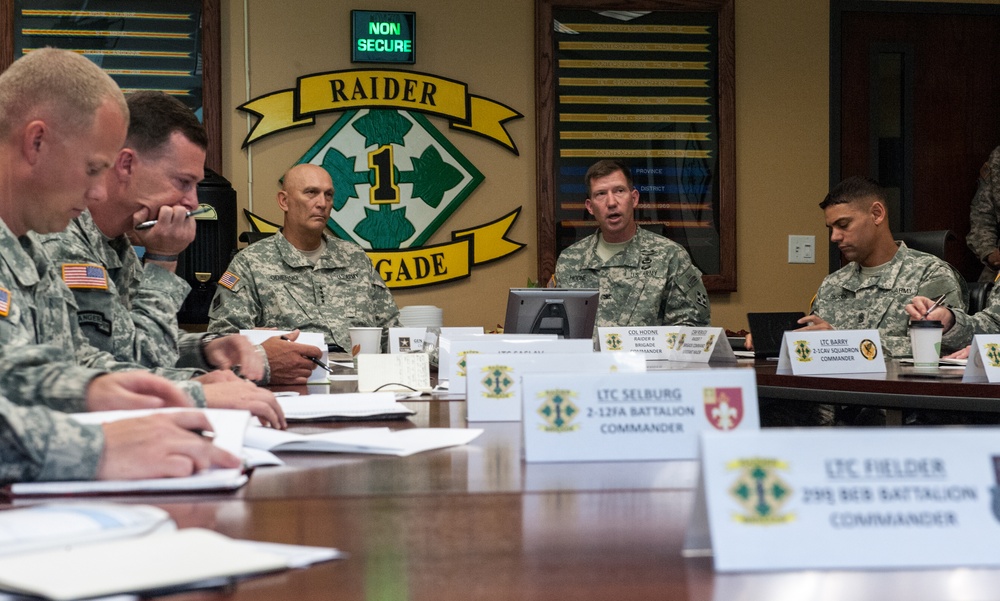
[
  {"x": 878, "y": 212},
  {"x": 124, "y": 163},
  {"x": 586, "y": 203},
  {"x": 283, "y": 201}
]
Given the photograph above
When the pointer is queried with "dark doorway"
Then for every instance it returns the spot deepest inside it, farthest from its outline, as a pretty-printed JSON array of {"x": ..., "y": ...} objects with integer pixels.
[{"x": 915, "y": 104}]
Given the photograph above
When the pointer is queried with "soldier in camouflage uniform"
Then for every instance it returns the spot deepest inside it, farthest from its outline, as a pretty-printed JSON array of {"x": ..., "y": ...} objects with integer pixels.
[
  {"x": 872, "y": 291},
  {"x": 302, "y": 278},
  {"x": 984, "y": 218},
  {"x": 128, "y": 308},
  {"x": 62, "y": 120},
  {"x": 644, "y": 279},
  {"x": 959, "y": 326}
]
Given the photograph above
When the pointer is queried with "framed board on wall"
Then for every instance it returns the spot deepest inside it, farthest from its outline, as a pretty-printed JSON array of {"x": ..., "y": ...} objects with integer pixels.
[
  {"x": 169, "y": 45},
  {"x": 650, "y": 82}
]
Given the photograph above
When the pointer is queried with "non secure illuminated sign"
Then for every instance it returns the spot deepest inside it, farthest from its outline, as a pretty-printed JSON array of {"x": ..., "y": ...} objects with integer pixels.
[{"x": 383, "y": 37}]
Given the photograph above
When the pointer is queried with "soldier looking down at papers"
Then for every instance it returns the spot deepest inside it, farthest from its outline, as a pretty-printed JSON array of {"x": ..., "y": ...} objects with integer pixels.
[{"x": 62, "y": 120}]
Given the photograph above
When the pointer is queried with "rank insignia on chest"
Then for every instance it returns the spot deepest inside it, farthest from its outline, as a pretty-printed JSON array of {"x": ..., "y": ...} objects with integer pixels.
[
  {"x": 229, "y": 279},
  {"x": 4, "y": 302},
  {"x": 85, "y": 275}
]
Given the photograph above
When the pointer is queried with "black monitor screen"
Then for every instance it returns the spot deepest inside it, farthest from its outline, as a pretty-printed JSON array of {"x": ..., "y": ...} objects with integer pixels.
[{"x": 562, "y": 311}]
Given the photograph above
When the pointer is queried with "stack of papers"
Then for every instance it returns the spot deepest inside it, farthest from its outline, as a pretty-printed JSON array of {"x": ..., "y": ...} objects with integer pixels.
[
  {"x": 81, "y": 551},
  {"x": 228, "y": 426},
  {"x": 340, "y": 407},
  {"x": 378, "y": 441}
]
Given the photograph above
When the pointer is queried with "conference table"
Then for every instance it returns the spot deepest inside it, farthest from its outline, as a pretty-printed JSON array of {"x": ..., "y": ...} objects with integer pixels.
[{"x": 477, "y": 522}]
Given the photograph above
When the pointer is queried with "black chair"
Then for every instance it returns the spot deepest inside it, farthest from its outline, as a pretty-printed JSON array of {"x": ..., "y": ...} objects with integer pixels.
[
  {"x": 936, "y": 242},
  {"x": 979, "y": 294}
]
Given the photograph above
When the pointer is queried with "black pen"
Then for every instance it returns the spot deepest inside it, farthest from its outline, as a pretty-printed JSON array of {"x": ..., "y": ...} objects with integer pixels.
[
  {"x": 145, "y": 225},
  {"x": 313, "y": 359}
]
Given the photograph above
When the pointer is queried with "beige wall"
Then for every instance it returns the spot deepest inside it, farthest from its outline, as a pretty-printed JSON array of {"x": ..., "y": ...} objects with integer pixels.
[{"x": 782, "y": 136}]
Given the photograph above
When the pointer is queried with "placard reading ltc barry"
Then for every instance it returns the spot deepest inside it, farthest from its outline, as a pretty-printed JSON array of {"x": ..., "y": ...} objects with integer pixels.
[
  {"x": 837, "y": 499},
  {"x": 832, "y": 352},
  {"x": 622, "y": 417}
]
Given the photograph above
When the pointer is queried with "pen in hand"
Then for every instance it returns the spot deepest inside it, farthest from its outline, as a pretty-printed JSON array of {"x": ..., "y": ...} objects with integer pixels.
[
  {"x": 313, "y": 359},
  {"x": 145, "y": 225},
  {"x": 937, "y": 302}
]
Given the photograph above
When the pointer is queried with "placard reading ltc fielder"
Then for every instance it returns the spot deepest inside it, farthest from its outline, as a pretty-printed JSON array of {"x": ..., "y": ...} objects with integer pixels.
[{"x": 633, "y": 416}]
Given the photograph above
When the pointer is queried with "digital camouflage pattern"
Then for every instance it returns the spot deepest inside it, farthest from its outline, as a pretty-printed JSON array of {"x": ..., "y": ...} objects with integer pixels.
[
  {"x": 37, "y": 443},
  {"x": 650, "y": 283},
  {"x": 848, "y": 300},
  {"x": 135, "y": 316},
  {"x": 984, "y": 214},
  {"x": 270, "y": 284},
  {"x": 985, "y": 321},
  {"x": 44, "y": 357}
]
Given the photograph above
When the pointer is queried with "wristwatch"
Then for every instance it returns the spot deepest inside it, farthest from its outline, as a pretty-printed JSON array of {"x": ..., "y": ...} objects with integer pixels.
[{"x": 205, "y": 340}]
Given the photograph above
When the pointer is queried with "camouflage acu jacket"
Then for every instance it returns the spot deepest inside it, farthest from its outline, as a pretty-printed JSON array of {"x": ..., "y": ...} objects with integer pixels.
[
  {"x": 650, "y": 283},
  {"x": 848, "y": 300},
  {"x": 271, "y": 284}
]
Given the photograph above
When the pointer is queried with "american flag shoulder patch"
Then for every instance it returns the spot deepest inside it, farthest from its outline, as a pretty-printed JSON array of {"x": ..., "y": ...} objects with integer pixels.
[
  {"x": 85, "y": 275},
  {"x": 229, "y": 279},
  {"x": 4, "y": 302}
]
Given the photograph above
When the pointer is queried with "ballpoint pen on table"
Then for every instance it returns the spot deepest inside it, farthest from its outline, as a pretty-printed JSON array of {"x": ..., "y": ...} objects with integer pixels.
[
  {"x": 145, "y": 225},
  {"x": 313, "y": 359},
  {"x": 934, "y": 305}
]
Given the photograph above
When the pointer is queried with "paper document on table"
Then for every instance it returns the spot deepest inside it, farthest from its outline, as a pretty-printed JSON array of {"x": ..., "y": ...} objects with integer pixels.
[
  {"x": 228, "y": 425},
  {"x": 394, "y": 372},
  {"x": 378, "y": 441},
  {"x": 349, "y": 406},
  {"x": 193, "y": 555},
  {"x": 30, "y": 529}
]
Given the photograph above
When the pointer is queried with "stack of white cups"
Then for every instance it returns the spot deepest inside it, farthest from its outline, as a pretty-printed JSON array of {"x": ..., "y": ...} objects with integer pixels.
[{"x": 421, "y": 316}]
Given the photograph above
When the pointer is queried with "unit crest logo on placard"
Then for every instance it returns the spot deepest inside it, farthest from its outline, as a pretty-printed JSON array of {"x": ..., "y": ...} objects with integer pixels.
[
  {"x": 708, "y": 343},
  {"x": 613, "y": 342},
  {"x": 558, "y": 410},
  {"x": 993, "y": 353},
  {"x": 869, "y": 350},
  {"x": 671, "y": 341},
  {"x": 462, "y": 365},
  {"x": 802, "y": 351},
  {"x": 760, "y": 491},
  {"x": 497, "y": 382},
  {"x": 723, "y": 407}
]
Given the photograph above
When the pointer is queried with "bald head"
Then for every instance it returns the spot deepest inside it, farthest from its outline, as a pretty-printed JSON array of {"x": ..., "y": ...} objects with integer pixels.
[
  {"x": 306, "y": 198},
  {"x": 61, "y": 87}
]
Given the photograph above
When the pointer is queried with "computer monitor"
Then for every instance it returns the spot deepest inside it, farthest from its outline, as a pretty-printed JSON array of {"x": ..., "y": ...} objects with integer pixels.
[{"x": 568, "y": 313}]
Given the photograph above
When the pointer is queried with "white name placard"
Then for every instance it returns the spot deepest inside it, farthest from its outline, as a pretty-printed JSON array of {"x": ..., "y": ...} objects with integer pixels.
[
  {"x": 452, "y": 333},
  {"x": 702, "y": 345},
  {"x": 832, "y": 352},
  {"x": 983, "y": 364},
  {"x": 509, "y": 343},
  {"x": 648, "y": 340},
  {"x": 842, "y": 498},
  {"x": 493, "y": 381},
  {"x": 406, "y": 340},
  {"x": 624, "y": 417}
]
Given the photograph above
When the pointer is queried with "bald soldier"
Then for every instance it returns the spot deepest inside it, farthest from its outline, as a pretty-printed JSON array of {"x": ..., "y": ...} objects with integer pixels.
[
  {"x": 302, "y": 277},
  {"x": 62, "y": 120}
]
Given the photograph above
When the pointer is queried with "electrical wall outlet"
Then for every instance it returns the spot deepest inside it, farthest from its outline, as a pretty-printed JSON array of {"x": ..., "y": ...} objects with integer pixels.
[{"x": 802, "y": 249}]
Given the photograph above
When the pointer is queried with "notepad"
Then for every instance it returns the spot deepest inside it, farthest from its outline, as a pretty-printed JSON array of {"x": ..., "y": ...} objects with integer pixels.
[
  {"x": 343, "y": 407},
  {"x": 378, "y": 441}
]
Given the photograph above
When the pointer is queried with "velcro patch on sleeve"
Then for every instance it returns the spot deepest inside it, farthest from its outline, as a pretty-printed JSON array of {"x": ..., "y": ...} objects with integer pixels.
[
  {"x": 85, "y": 275},
  {"x": 229, "y": 279}
]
